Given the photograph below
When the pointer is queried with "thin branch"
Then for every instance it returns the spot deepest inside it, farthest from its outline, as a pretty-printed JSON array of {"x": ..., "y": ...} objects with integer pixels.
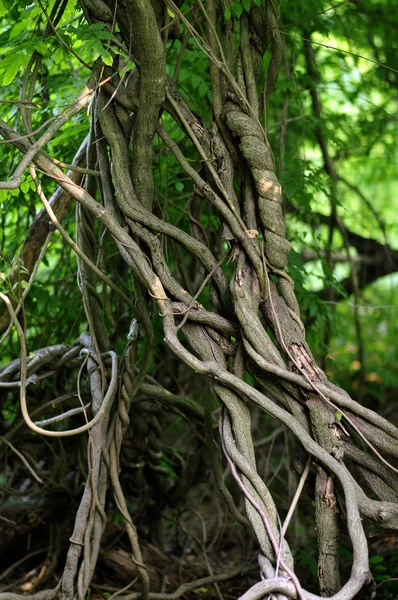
[{"x": 328, "y": 46}]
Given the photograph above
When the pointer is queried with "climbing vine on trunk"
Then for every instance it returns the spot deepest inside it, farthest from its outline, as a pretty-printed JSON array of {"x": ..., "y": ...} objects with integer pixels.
[{"x": 217, "y": 304}]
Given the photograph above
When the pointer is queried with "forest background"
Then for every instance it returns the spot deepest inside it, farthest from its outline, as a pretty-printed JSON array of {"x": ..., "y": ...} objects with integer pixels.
[{"x": 198, "y": 275}]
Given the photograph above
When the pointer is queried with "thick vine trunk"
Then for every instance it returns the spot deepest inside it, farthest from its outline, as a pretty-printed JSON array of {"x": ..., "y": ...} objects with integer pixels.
[{"x": 251, "y": 325}]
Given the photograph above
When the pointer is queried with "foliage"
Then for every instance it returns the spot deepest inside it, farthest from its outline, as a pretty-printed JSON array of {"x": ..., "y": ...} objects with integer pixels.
[{"x": 198, "y": 310}]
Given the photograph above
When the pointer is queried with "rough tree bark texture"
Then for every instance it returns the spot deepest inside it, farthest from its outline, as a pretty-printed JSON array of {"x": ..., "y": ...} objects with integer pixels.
[{"x": 254, "y": 324}]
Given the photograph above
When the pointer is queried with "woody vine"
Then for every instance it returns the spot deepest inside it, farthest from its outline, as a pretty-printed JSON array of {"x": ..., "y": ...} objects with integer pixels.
[{"x": 244, "y": 340}]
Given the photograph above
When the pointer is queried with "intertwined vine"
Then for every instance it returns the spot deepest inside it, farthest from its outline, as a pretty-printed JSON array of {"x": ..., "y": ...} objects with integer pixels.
[{"x": 248, "y": 328}]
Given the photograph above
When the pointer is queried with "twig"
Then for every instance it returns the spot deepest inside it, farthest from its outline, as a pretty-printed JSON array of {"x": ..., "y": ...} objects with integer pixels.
[
  {"x": 23, "y": 459},
  {"x": 201, "y": 287},
  {"x": 75, "y": 247},
  {"x": 15, "y": 182},
  {"x": 105, "y": 404}
]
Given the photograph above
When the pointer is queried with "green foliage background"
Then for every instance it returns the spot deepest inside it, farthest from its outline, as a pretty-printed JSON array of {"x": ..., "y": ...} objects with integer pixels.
[{"x": 356, "y": 48}]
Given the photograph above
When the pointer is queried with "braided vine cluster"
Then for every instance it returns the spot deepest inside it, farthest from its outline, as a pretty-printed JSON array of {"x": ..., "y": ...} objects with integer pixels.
[{"x": 258, "y": 155}]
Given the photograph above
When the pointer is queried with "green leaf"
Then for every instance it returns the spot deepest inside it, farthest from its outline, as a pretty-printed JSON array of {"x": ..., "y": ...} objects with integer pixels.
[
  {"x": 106, "y": 57},
  {"x": 25, "y": 186},
  {"x": 4, "y": 8},
  {"x": 376, "y": 560},
  {"x": 237, "y": 9},
  {"x": 11, "y": 72},
  {"x": 59, "y": 56},
  {"x": 42, "y": 48},
  {"x": 18, "y": 28},
  {"x": 203, "y": 89}
]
